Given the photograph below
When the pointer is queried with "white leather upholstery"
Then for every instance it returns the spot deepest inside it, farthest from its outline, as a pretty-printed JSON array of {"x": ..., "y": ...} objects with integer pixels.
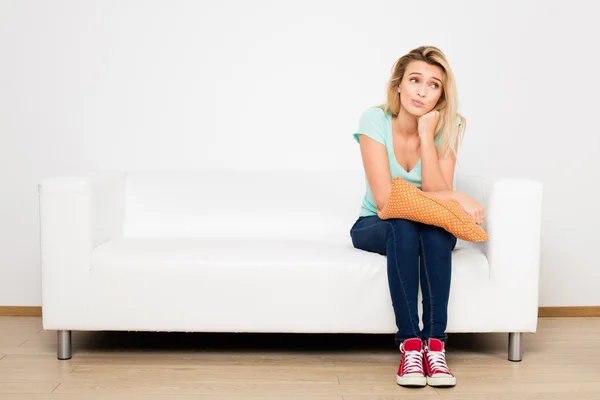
[{"x": 256, "y": 251}]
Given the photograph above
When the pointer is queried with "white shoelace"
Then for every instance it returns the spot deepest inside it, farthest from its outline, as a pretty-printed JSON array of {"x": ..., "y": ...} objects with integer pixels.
[
  {"x": 437, "y": 359},
  {"x": 413, "y": 362}
]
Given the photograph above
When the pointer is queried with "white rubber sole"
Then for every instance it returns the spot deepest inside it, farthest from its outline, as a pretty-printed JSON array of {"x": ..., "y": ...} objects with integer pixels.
[
  {"x": 443, "y": 380},
  {"x": 411, "y": 380}
]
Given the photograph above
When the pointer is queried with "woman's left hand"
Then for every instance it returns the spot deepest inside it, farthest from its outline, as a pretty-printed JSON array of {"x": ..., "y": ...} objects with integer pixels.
[{"x": 427, "y": 124}]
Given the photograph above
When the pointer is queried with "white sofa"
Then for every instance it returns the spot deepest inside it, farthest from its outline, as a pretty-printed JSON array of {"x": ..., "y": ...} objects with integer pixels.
[{"x": 258, "y": 251}]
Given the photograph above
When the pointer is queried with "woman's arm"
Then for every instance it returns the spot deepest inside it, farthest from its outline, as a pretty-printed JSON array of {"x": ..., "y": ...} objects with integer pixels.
[
  {"x": 436, "y": 175},
  {"x": 453, "y": 195},
  {"x": 468, "y": 204},
  {"x": 377, "y": 167}
]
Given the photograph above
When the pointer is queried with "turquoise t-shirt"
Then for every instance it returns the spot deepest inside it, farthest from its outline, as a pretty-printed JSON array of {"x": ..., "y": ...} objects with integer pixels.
[{"x": 377, "y": 124}]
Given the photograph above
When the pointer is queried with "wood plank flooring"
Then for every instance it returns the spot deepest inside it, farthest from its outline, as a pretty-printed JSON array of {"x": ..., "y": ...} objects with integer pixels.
[{"x": 561, "y": 361}]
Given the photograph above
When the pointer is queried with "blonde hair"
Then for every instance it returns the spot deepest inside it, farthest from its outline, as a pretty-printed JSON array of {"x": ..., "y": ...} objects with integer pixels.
[{"x": 448, "y": 126}]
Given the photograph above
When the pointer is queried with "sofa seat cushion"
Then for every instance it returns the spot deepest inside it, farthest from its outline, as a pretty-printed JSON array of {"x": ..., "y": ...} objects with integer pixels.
[{"x": 254, "y": 285}]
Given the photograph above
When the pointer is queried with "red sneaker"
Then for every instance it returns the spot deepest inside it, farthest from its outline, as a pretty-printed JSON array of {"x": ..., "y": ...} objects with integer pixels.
[
  {"x": 410, "y": 372},
  {"x": 436, "y": 369}
]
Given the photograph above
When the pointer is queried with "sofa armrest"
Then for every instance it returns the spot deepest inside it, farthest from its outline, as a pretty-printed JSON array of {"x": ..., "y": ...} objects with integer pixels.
[
  {"x": 514, "y": 212},
  {"x": 514, "y": 225},
  {"x": 76, "y": 215}
]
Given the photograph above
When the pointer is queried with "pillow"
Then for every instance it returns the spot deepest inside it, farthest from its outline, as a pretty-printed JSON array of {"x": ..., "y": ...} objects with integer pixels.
[{"x": 409, "y": 202}]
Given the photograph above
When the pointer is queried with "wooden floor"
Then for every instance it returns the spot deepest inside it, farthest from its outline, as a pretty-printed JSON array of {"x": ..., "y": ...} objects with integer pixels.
[{"x": 561, "y": 361}]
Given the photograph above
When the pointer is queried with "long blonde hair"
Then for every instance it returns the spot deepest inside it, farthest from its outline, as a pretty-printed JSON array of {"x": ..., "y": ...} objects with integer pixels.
[{"x": 451, "y": 125}]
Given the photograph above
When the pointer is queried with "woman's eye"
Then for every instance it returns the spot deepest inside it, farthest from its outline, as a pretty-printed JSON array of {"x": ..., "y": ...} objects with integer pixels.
[
  {"x": 413, "y": 79},
  {"x": 435, "y": 85}
]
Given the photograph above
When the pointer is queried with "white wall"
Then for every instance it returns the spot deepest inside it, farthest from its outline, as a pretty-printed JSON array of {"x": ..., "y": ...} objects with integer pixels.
[{"x": 281, "y": 84}]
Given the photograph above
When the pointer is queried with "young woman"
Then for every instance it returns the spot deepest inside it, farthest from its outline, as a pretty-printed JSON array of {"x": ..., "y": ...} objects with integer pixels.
[{"x": 414, "y": 136}]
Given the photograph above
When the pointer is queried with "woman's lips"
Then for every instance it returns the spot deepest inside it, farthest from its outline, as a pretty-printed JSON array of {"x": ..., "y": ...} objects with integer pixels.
[{"x": 417, "y": 103}]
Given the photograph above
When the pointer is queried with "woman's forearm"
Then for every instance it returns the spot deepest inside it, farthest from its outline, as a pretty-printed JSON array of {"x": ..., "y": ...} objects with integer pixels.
[
  {"x": 445, "y": 194},
  {"x": 431, "y": 173},
  {"x": 440, "y": 194}
]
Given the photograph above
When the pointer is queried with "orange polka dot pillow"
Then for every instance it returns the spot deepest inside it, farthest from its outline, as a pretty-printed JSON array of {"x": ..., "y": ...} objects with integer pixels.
[{"x": 409, "y": 202}]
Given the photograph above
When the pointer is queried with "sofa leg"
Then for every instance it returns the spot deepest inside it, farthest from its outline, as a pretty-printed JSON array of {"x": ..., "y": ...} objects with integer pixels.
[
  {"x": 64, "y": 345},
  {"x": 515, "y": 346}
]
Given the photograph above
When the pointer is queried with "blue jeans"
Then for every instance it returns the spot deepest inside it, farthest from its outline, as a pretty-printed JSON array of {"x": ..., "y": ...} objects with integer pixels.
[{"x": 410, "y": 247}]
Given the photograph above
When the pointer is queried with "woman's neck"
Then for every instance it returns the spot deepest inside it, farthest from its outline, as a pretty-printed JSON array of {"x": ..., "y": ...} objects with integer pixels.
[{"x": 405, "y": 124}]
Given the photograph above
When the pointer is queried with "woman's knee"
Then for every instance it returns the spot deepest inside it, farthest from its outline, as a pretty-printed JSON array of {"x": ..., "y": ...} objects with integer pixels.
[
  {"x": 369, "y": 234},
  {"x": 403, "y": 229},
  {"x": 438, "y": 237},
  {"x": 403, "y": 224}
]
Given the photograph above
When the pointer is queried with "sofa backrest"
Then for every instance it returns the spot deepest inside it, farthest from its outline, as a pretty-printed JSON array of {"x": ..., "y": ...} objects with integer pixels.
[{"x": 222, "y": 203}]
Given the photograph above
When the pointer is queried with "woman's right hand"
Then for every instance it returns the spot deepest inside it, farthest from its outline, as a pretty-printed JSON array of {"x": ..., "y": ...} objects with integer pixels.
[{"x": 471, "y": 207}]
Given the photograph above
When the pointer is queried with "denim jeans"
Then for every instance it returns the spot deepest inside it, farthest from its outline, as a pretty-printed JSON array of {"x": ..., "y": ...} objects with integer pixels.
[{"x": 414, "y": 251}]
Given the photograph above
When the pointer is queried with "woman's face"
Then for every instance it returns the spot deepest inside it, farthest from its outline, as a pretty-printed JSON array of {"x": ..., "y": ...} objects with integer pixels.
[{"x": 421, "y": 87}]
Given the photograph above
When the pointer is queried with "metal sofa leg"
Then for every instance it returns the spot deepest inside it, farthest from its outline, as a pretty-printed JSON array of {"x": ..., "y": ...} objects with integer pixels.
[
  {"x": 515, "y": 346},
  {"x": 64, "y": 345}
]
